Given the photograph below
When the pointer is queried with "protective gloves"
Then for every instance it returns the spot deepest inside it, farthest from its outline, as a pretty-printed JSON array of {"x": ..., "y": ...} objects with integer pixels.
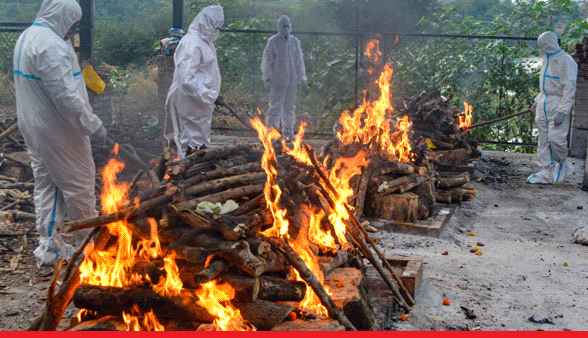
[
  {"x": 99, "y": 137},
  {"x": 534, "y": 106},
  {"x": 304, "y": 84},
  {"x": 267, "y": 86},
  {"x": 559, "y": 118}
]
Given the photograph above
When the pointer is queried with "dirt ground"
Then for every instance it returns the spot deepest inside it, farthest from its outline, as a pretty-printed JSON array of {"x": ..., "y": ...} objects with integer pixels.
[{"x": 527, "y": 235}]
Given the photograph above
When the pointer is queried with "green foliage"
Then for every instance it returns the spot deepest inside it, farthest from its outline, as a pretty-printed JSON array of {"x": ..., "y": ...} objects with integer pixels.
[
  {"x": 123, "y": 43},
  {"x": 497, "y": 77},
  {"x": 381, "y": 15}
]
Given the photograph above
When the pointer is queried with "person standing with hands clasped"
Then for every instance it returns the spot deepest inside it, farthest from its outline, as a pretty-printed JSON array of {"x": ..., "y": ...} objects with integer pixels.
[
  {"x": 196, "y": 83},
  {"x": 553, "y": 110},
  {"x": 57, "y": 123},
  {"x": 282, "y": 67}
]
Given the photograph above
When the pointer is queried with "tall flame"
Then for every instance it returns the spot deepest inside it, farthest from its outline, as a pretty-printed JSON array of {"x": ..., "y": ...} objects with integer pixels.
[
  {"x": 465, "y": 120},
  {"x": 212, "y": 296},
  {"x": 271, "y": 190},
  {"x": 370, "y": 123}
]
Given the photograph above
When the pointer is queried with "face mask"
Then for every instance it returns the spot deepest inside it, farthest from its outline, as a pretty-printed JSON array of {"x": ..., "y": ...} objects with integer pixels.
[
  {"x": 72, "y": 31},
  {"x": 286, "y": 31},
  {"x": 215, "y": 34}
]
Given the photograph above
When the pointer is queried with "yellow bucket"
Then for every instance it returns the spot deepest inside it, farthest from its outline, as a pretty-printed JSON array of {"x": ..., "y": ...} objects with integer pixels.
[{"x": 92, "y": 80}]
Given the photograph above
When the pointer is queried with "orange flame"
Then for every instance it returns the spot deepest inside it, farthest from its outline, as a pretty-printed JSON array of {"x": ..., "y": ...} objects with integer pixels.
[
  {"x": 138, "y": 321},
  {"x": 228, "y": 318},
  {"x": 369, "y": 50},
  {"x": 465, "y": 120},
  {"x": 370, "y": 124},
  {"x": 112, "y": 266},
  {"x": 271, "y": 190}
]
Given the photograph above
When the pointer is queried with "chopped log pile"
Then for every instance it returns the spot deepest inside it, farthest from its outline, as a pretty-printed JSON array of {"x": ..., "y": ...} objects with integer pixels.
[
  {"x": 435, "y": 125},
  {"x": 16, "y": 185}
]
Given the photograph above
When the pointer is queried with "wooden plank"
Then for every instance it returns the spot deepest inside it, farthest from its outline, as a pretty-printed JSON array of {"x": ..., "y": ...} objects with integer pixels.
[
  {"x": 427, "y": 227},
  {"x": 303, "y": 325},
  {"x": 412, "y": 271}
]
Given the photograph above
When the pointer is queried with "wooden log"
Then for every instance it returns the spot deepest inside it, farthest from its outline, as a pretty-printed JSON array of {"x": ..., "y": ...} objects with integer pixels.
[
  {"x": 254, "y": 203},
  {"x": 259, "y": 247},
  {"x": 404, "y": 183},
  {"x": 238, "y": 253},
  {"x": 309, "y": 277},
  {"x": 344, "y": 286},
  {"x": 397, "y": 207},
  {"x": 232, "y": 228},
  {"x": 215, "y": 268},
  {"x": 427, "y": 199},
  {"x": 475, "y": 125},
  {"x": 121, "y": 214},
  {"x": 213, "y": 186},
  {"x": 19, "y": 186},
  {"x": 275, "y": 262},
  {"x": 56, "y": 304},
  {"x": 252, "y": 190},
  {"x": 455, "y": 195},
  {"x": 246, "y": 288},
  {"x": 396, "y": 168},
  {"x": 9, "y": 130},
  {"x": 113, "y": 301},
  {"x": 454, "y": 181},
  {"x": 454, "y": 157},
  {"x": 263, "y": 314},
  {"x": 221, "y": 172},
  {"x": 181, "y": 166},
  {"x": 441, "y": 144},
  {"x": 278, "y": 289},
  {"x": 305, "y": 325},
  {"x": 106, "y": 323},
  {"x": 340, "y": 258},
  {"x": 221, "y": 102},
  {"x": 366, "y": 176}
]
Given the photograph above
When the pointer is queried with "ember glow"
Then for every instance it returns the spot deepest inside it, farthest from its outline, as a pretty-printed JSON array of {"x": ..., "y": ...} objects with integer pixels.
[
  {"x": 465, "y": 120},
  {"x": 373, "y": 123}
]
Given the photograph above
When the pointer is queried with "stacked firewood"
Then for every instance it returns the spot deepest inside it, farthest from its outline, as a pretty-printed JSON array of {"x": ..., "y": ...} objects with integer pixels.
[
  {"x": 435, "y": 125},
  {"x": 233, "y": 247},
  {"x": 16, "y": 187}
]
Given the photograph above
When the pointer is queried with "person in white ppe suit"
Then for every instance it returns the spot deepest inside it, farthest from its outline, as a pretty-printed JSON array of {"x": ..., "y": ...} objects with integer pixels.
[
  {"x": 553, "y": 107},
  {"x": 56, "y": 121},
  {"x": 196, "y": 83},
  {"x": 282, "y": 67}
]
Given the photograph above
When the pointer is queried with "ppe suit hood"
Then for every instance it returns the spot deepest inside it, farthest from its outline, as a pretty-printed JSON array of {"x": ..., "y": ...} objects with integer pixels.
[
  {"x": 207, "y": 22},
  {"x": 547, "y": 42},
  {"x": 284, "y": 20},
  {"x": 59, "y": 15}
]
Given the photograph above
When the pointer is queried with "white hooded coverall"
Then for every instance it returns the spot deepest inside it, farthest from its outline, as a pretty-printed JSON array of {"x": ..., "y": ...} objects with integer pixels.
[
  {"x": 196, "y": 82},
  {"x": 56, "y": 120},
  {"x": 282, "y": 65},
  {"x": 557, "y": 88}
]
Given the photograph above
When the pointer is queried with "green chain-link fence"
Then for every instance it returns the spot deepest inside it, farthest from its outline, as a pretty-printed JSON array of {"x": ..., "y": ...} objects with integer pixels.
[{"x": 7, "y": 96}]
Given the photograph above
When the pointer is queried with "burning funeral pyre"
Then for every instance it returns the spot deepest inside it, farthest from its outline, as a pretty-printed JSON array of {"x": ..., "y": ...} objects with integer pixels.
[{"x": 183, "y": 255}]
